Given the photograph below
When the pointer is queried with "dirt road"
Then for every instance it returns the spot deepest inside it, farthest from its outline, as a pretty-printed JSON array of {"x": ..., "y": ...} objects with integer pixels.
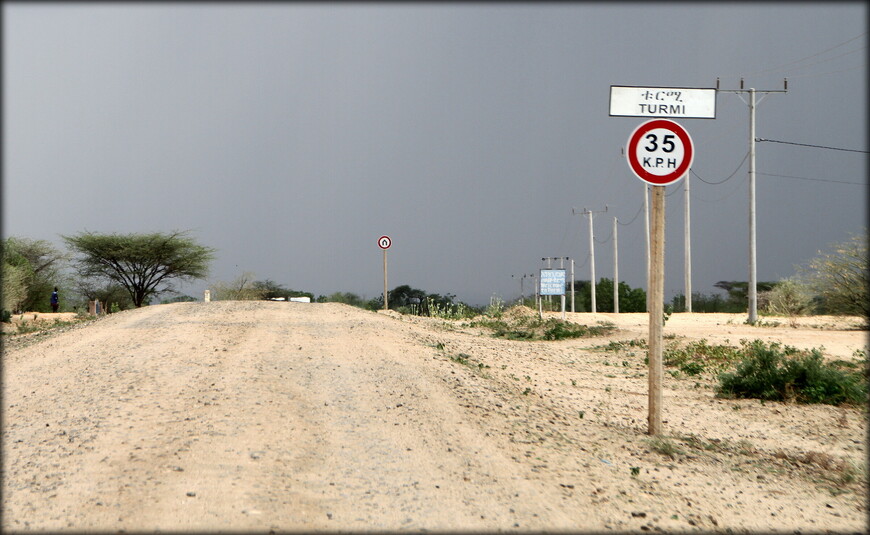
[{"x": 289, "y": 416}]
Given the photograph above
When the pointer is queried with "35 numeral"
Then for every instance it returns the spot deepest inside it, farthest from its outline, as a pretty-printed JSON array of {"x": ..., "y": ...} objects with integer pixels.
[{"x": 667, "y": 143}]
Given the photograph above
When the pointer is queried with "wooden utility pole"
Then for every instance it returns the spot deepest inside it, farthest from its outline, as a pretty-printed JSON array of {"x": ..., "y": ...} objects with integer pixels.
[
  {"x": 656, "y": 308},
  {"x": 646, "y": 230},
  {"x": 650, "y": 145}
]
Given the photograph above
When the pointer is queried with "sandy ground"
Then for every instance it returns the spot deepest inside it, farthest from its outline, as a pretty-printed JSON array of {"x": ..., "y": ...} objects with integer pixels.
[
  {"x": 259, "y": 416},
  {"x": 34, "y": 318}
]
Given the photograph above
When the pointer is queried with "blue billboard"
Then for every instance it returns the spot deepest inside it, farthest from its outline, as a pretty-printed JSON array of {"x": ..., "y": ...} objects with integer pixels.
[{"x": 552, "y": 282}]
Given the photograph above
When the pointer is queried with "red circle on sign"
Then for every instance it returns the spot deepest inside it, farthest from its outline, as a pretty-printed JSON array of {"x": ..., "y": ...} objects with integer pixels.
[
  {"x": 637, "y": 165},
  {"x": 384, "y": 242}
]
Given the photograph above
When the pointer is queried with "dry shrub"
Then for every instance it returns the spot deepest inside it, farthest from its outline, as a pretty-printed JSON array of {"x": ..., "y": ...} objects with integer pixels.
[{"x": 518, "y": 313}]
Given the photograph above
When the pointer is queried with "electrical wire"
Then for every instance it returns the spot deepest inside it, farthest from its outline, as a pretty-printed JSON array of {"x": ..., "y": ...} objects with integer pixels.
[
  {"x": 811, "y": 74},
  {"x": 817, "y": 54},
  {"x": 596, "y": 240},
  {"x": 564, "y": 235},
  {"x": 678, "y": 189},
  {"x": 721, "y": 181},
  {"x": 828, "y": 59},
  {"x": 639, "y": 210},
  {"x": 817, "y": 179},
  {"x": 722, "y": 198},
  {"x": 809, "y": 145}
]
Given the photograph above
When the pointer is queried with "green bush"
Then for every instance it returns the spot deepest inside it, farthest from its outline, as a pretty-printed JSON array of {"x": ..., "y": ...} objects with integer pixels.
[
  {"x": 779, "y": 373},
  {"x": 698, "y": 357},
  {"x": 538, "y": 329},
  {"x": 559, "y": 330},
  {"x": 348, "y": 298}
]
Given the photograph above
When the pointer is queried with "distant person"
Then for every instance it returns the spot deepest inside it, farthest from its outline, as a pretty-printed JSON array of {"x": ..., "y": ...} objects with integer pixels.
[{"x": 55, "y": 300}]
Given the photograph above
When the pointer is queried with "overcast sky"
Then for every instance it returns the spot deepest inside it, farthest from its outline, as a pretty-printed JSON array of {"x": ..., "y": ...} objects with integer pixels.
[{"x": 290, "y": 136}]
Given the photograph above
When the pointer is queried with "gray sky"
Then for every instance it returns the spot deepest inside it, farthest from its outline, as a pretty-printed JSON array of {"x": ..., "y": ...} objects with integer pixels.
[{"x": 290, "y": 136}]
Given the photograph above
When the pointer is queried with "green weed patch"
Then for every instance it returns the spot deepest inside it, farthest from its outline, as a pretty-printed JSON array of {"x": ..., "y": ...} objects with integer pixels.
[
  {"x": 775, "y": 372},
  {"x": 538, "y": 329},
  {"x": 699, "y": 357}
]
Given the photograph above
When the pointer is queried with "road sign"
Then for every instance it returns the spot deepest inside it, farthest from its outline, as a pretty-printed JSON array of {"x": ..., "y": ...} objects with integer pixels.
[
  {"x": 384, "y": 243},
  {"x": 552, "y": 282},
  {"x": 660, "y": 152},
  {"x": 675, "y": 102}
]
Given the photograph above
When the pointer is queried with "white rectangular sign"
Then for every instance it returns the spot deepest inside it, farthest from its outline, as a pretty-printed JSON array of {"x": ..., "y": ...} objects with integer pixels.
[
  {"x": 678, "y": 102},
  {"x": 552, "y": 282}
]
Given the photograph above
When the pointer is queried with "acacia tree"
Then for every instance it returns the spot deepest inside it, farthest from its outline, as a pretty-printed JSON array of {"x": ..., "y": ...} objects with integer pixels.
[
  {"x": 789, "y": 298},
  {"x": 14, "y": 287},
  {"x": 840, "y": 279},
  {"x": 144, "y": 264},
  {"x": 33, "y": 268}
]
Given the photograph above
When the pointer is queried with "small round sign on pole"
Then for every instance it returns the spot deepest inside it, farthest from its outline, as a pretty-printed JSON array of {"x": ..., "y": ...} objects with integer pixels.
[
  {"x": 660, "y": 152},
  {"x": 384, "y": 242}
]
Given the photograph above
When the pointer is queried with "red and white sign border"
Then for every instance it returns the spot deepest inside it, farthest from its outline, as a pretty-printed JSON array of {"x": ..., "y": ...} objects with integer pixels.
[{"x": 643, "y": 174}]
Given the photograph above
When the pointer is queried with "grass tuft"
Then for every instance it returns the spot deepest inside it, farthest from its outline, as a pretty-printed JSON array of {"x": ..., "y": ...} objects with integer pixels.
[
  {"x": 664, "y": 446},
  {"x": 534, "y": 328}
]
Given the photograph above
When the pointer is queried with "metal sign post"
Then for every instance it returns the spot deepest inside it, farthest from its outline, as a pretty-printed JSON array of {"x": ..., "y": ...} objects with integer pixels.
[{"x": 384, "y": 243}]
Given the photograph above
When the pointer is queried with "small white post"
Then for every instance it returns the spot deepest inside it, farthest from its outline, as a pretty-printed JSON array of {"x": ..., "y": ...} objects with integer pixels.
[
  {"x": 688, "y": 247},
  {"x": 593, "y": 307},
  {"x": 386, "y": 302},
  {"x": 753, "y": 298},
  {"x": 615, "y": 268},
  {"x": 572, "y": 285},
  {"x": 562, "y": 266}
]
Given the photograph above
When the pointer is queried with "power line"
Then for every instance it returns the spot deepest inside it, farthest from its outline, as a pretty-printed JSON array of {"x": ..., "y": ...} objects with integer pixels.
[
  {"x": 809, "y": 145},
  {"x": 828, "y": 59},
  {"x": 605, "y": 241},
  {"x": 583, "y": 263},
  {"x": 811, "y": 74},
  {"x": 639, "y": 210},
  {"x": 726, "y": 179},
  {"x": 676, "y": 190},
  {"x": 817, "y": 179},
  {"x": 817, "y": 54},
  {"x": 723, "y": 197}
]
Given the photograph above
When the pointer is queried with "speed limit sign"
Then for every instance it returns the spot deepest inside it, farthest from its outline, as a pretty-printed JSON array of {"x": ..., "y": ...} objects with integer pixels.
[
  {"x": 660, "y": 152},
  {"x": 384, "y": 242}
]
